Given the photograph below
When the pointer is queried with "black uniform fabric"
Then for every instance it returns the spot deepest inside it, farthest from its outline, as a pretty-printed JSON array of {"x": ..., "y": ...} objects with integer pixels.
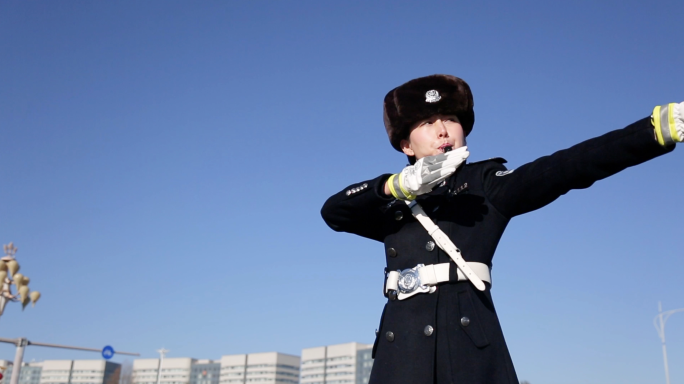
[{"x": 472, "y": 208}]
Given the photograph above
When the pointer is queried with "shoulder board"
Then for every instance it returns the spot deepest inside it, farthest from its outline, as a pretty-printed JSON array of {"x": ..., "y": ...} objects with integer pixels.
[{"x": 499, "y": 160}]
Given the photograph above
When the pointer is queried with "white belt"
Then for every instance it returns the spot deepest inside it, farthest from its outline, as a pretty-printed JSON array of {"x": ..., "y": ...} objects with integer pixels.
[{"x": 423, "y": 278}]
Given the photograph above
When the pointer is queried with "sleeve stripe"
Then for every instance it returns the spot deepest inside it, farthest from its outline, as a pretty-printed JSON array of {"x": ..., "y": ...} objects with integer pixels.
[
  {"x": 655, "y": 121},
  {"x": 390, "y": 184},
  {"x": 408, "y": 194},
  {"x": 395, "y": 186}
]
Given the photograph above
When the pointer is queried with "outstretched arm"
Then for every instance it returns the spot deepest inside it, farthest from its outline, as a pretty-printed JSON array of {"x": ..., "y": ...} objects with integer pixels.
[{"x": 542, "y": 181}]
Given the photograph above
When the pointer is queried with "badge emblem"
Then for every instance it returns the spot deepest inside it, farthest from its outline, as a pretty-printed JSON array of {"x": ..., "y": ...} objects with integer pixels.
[
  {"x": 504, "y": 173},
  {"x": 432, "y": 96},
  {"x": 409, "y": 280}
]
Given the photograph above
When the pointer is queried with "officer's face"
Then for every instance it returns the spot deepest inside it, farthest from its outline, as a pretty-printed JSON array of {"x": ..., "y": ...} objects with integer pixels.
[{"x": 430, "y": 136}]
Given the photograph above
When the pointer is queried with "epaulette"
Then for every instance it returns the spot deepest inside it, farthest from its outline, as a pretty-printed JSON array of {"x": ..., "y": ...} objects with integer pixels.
[{"x": 499, "y": 160}]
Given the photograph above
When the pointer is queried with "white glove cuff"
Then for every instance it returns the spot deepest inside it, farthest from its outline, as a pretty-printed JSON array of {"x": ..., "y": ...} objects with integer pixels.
[{"x": 678, "y": 114}]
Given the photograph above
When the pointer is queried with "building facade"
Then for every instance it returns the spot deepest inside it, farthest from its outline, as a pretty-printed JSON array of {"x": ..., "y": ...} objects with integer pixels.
[
  {"x": 364, "y": 364},
  {"x": 173, "y": 370},
  {"x": 94, "y": 372},
  {"x": 254, "y": 368},
  {"x": 348, "y": 363},
  {"x": 205, "y": 372},
  {"x": 269, "y": 367},
  {"x": 30, "y": 372},
  {"x": 66, "y": 372}
]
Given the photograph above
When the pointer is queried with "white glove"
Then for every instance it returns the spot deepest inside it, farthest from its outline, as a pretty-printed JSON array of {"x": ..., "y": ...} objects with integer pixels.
[
  {"x": 427, "y": 172},
  {"x": 668, "y": 121}
]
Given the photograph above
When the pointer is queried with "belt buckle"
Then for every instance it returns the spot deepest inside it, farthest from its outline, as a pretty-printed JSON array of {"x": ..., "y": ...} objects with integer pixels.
[{"x": 409, "y": 280}]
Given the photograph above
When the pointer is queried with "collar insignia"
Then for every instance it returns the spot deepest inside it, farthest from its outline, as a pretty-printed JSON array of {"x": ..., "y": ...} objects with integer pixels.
[
  {"x": 460, "y": 189},
  {"x": 432, "y": 96}
]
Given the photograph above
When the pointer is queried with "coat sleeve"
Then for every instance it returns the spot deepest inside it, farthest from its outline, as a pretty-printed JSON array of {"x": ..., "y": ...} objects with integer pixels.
[
  {"x": 542, "y": 181},
  {"x": 358, "y": 209}
]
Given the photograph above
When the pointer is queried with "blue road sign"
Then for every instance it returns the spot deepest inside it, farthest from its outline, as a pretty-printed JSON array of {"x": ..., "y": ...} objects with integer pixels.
[{"x": 107, "y": 352}]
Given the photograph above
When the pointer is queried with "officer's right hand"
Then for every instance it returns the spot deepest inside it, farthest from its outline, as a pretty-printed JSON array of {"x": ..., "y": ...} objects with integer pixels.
[
  {"x": 427, "y": 172},
  {"x": 668, "y": 121}
]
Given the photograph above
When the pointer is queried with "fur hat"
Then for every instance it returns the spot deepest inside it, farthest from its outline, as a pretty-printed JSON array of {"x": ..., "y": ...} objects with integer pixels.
[{"x": 423, "y": 97}]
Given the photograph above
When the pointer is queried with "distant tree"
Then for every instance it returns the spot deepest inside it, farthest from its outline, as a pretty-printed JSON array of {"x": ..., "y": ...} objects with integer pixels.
[
  {"x": 126, "y": 376},
  {"x": 524, "y": 382}
]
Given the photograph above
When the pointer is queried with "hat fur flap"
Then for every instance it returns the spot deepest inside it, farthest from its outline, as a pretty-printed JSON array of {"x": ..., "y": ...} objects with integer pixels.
[{"x": 409, "y": 103}]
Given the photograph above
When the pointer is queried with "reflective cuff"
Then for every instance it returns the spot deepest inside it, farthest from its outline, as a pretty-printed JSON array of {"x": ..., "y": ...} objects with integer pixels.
[
  {"x": 665, "y": 124},
  {"x": 397, "y": 189}
]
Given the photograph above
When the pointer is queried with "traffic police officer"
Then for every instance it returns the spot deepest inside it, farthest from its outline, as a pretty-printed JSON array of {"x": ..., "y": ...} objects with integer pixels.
[{"x": 439, "y": 324}]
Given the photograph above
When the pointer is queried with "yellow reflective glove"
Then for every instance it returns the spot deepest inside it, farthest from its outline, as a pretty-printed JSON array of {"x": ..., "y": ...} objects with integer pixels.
[{"x": 668, "y": 122}]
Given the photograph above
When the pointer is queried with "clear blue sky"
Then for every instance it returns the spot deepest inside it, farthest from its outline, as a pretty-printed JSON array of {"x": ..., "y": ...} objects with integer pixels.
[{"x": 163, "y": 164}]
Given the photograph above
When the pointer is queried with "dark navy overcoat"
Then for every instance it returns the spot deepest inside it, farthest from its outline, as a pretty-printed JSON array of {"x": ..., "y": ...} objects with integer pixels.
[{"x": 453, "y": 335}]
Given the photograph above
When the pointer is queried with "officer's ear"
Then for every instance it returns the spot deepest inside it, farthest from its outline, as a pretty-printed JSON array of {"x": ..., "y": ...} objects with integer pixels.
[{"x": 406, "y": 148}]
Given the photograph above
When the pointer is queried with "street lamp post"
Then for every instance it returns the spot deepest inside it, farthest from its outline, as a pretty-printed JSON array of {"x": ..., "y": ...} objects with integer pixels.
[
  {"x": 659, "y": 323},
  {"x": 9, "y": 275},
  {"x": 22, "y": 342},
  {"x": 162, "y": 354}
]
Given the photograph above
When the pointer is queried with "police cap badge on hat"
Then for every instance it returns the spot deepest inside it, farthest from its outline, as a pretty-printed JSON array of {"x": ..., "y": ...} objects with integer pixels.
[
  {"x": 423, "y": 97},
  {"x": 432, "y": 96}
]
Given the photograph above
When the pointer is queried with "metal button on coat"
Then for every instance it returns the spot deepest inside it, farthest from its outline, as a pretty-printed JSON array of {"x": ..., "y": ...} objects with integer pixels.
[
  {"x": 428, "y": 330},
  {"x": 398, "y": 215},
  {"x": 465, "y": 321},
  {"x": 389, "y": 336},
  {"x": 430, "y": 245},
  {"x": 391, "y": 252}
]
